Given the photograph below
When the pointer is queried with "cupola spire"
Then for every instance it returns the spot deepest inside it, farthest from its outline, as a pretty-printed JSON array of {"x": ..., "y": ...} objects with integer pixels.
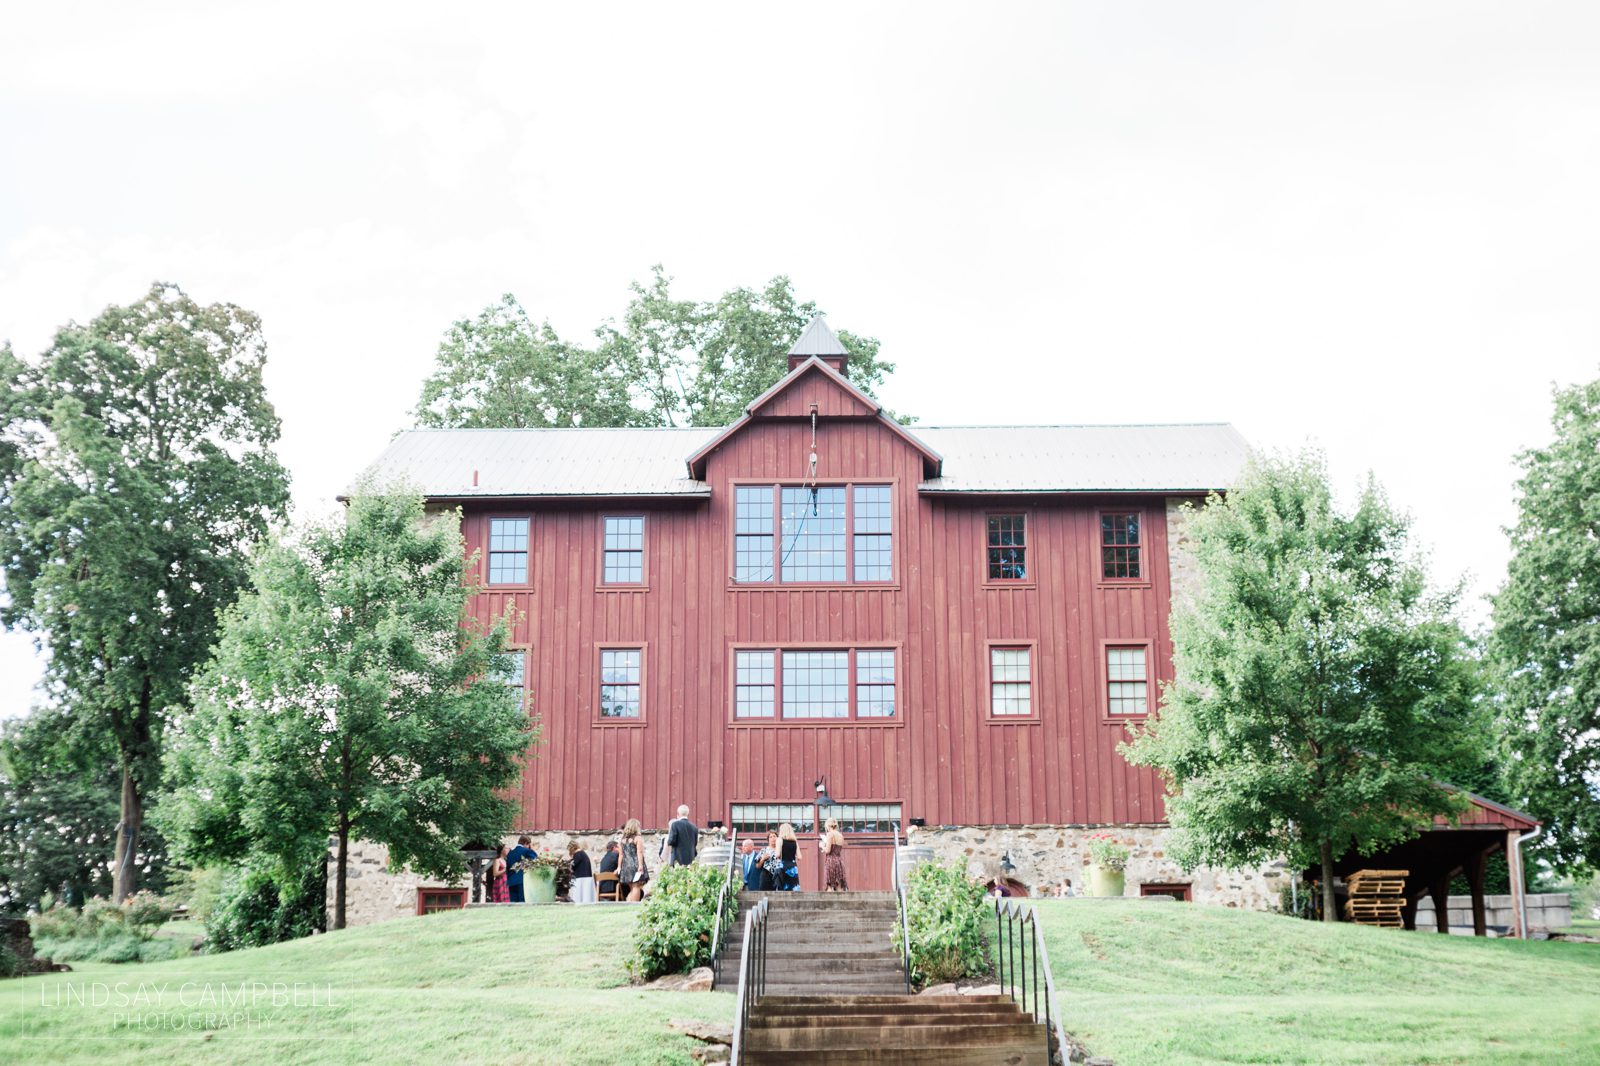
[{"x": 821, "y": 341}]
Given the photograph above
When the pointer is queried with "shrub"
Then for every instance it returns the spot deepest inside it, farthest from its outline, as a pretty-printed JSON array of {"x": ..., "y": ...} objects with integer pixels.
[
  {"x": 58, "y": 923},
  {"x": 10, "y": 964},
  {"x": 673, "y": 934},
  {"x": 255, "y": 910},
  {"x": 145, "y": 912},
  {"x": 946, "y": 915},
  {"x": 199, "y": 890},
  {"x": 1108, "y": 852},
  {"x": 99, "y": 913}
]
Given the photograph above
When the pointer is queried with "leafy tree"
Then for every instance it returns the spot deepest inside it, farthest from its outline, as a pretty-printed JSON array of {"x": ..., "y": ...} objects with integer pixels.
[
  {"x": 668, "y": 362},
  {"x": 1546, "y": 637},
  {"x": 58, "y": 815},
  {"x": 347, "y": 697},
  {"x": 135, "y": 470},
  {"x": 501, "y": 370},
  {"x": 1321, "y": 689}
]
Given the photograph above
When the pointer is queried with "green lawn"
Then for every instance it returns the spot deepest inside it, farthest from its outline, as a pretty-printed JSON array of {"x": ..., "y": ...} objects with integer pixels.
[
  {"x": 533, "y": 985},
  {"x": 1183, "y": 984}
]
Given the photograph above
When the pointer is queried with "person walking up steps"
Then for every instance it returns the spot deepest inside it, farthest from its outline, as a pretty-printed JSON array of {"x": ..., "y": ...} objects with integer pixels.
[{"x": 833, "y": 858}]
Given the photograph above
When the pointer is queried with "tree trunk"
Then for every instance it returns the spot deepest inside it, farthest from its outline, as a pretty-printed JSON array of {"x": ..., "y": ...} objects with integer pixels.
[
  {"x": 1330, "y": 906},
  {"x": 339, "y": 875},
  {"x": 124, "y": 870}
]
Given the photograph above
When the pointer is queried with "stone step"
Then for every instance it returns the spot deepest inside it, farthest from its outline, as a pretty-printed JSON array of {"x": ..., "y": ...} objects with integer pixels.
[
  {"x": 839, "y": 1039},
  {"x": 821, "y": 1001},
  {"x": 1003, "y": 1055},
  {"x": 858, "y": 1020},
  {"x": 854, "y": 985}
]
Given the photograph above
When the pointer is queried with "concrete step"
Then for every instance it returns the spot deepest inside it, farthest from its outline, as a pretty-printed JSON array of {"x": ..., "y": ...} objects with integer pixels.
[
  {"x": 851, "y": 986},
  {"x": 839, "y": 1039},
  {"x": 1003, "y": 1055},
  {"x": 860, "y": 1020}
]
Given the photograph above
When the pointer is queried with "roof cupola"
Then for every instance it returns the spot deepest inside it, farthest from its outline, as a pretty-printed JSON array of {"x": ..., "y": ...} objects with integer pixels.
[{"x": 821, "y": 341}]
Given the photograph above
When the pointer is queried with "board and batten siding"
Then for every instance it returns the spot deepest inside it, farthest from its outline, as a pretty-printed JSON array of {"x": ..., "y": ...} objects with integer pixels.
[{"x": 942, "y": 756}]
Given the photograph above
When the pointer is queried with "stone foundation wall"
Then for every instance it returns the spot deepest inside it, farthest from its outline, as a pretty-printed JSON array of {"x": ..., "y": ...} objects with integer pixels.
[
  {"x": 1044, "y": 854},
  {"x": 374, "y": 893}
]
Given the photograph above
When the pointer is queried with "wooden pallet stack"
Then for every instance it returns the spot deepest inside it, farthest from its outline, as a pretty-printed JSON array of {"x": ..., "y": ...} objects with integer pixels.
[{"x": 1377, "y": 897}]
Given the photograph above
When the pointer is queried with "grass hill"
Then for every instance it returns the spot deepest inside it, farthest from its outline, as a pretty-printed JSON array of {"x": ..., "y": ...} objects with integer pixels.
[
  {"x": 1144, "y": 983},
  {"x": 534, "y": 985},
  {"x": 1182, "y": 985}
]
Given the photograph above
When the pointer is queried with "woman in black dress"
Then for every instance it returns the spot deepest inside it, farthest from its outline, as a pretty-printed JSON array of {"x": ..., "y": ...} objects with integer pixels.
[{"x": 790, "y": 854}]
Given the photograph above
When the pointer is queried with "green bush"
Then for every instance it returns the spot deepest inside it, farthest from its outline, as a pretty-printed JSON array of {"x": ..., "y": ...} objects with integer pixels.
[
  {"x": 60, "y": 922},
  {"x": 10, "y": 965},
  {"x": 145, "y": 912},
  {"x": 946, "y": 915},
  {"x": 673, "y": 934},
  {"x": 255, "y": 910},
  {"x": 199, "y": 890},
  {"x": 110, "y": 945}
]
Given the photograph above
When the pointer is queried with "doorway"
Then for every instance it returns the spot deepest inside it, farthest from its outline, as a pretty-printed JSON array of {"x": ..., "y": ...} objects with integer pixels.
[{"x": 868, "y": 830}]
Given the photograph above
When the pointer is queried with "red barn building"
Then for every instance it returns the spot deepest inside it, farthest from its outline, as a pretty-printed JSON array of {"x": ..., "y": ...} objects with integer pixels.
[{"x": 951, "y": 625}]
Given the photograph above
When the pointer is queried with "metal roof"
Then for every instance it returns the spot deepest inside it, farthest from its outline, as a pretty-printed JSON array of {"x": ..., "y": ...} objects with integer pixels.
[
  {"x": 543, "y": 462},
  {"x": 818, "y": 339},
  {"x": 1132, "y": 458},
  {"x": 652, "y": 462}
]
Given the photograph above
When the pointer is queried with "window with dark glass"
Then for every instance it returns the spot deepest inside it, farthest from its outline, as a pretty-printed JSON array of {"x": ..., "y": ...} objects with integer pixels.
[
  {"x": 1126, "y": 681},
  {"x": 783, "y": 684},
  {"x": 508, "y": 551},
  {"x": 620, "y": 674},
  {"x": 757, "y": 818},
  {"x": 624, "y": 547},
  {"x": 1010, "y": 682},
  {"x": 865, "y": 817},
  {"x": 1119, "y": 547},
  {"x": 752, "y": 540},
  {"x": 805, "y": 534},
  {"x": 1008, "y": 547},
  {"x": 874, "y": 536}
]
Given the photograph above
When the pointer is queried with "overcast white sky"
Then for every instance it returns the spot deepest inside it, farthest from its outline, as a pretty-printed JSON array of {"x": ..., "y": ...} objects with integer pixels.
[{"x": 1368, "y": 225}]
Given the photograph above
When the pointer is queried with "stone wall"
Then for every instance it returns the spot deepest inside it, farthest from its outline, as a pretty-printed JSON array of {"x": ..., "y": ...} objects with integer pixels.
[
  {"x": 374, "y": 893},
  {"x": 1044, "y": 854},
  {"x": 1546, "y": 910},
  {"x": 1183, "y": 569}
]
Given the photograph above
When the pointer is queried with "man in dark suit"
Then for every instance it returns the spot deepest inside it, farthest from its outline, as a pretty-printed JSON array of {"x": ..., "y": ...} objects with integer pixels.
[
  {"x": 682, "y": 838},
  {"x": 514, "y": 875},
  {"x": 750, "y": 865}
]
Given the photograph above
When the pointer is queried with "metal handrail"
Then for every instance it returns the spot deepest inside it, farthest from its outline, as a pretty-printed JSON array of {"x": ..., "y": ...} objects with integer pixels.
[
  {"x": 752, "y": 973},
  {"x": 900, "y": 900},
  {"x": 722, "y": 908},
  {"x": 1018, "y": 932}
]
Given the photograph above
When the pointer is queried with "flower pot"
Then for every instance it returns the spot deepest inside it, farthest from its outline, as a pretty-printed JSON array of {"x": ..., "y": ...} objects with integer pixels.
[
  {"x": 1104, "y": 882},
  {"x": 540, "y": 884}
]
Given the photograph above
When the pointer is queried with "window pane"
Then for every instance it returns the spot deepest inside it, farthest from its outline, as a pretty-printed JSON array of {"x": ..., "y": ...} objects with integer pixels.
[
  {"x": 1119, "y": 552},
  {"x": 620, "y": 666},
  {"x": 1007, "y": 544},
  {"x": 508, "y": 551},
  {"x": 757, "y": 818},
  {"x": 812, "y": 547},
  {"x": 1125, "y": 664},
  {"x": 1009, "y": 664},
  {"x": 508, "y": 534},
  {"x": 754, "y": 693},
  {"x": 513, "y": 666},
  {"x": 864, "y": 817},
  {"x": 816, "y": 684},
  {"x": 1010, "y": 688},
  {"x": 753, "y": 509},
  {"x": 874, "y": 684}
]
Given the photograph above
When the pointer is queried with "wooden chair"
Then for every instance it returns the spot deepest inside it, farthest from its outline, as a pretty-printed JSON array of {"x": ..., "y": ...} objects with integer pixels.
[{"x": 607, "y": 887}]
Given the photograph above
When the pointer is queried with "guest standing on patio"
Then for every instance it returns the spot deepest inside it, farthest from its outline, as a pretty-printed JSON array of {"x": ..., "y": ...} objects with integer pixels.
[
  {"x": 833, "y": 858},
  {"x": 496, "y": 891},
  {"x": 633, "y": 872},
  {"x": 582, "y": 890},
  {"x": 790, "y": 853},
  {"x": 522, "y": 851}
]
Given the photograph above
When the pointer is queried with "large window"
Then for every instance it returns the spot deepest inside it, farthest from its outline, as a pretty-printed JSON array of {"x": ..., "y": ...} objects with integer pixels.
[
  {"x": 759, "y": 817},
  {"x": 1119, "y": 547},
  {"x": 841, "y": 683},
  {"x": 820, "y": 535},
  {"x": 1011, "y": 682},
  {"x": 621, "y": 682},
  {"x": 508, "y": 551},
  {"x": 1127, "y": 683},
  {"x": 1008, "y": 547},
  {"x": 624, "y": 548},
  {"x": 863, "y": 817}
]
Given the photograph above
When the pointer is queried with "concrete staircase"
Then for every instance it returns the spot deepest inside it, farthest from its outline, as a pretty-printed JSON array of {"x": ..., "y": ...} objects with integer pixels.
[{"x": 836, "y": 994}]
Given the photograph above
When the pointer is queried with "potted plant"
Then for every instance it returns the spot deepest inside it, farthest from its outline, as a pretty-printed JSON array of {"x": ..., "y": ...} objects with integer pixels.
[
  {"x": 1110, "y": 856},
  {"x": 539, "y": 877}
]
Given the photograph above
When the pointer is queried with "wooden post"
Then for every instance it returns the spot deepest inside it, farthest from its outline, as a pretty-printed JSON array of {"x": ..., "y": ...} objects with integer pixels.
[
  {"x": 1440, "y": 891},
  {"x": 1475, "y": 872},
  {"x": 1514, "y": 863}
]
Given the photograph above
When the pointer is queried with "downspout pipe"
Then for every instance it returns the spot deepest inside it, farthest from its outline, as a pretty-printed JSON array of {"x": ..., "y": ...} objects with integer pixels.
[{"x": 1522, "y": 881}]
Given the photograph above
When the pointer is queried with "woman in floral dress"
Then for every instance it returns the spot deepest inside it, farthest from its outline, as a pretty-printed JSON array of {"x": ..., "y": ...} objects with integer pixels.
[
  {"x": 833, "y": 858},
  {"x": 499, "y": 890}
]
